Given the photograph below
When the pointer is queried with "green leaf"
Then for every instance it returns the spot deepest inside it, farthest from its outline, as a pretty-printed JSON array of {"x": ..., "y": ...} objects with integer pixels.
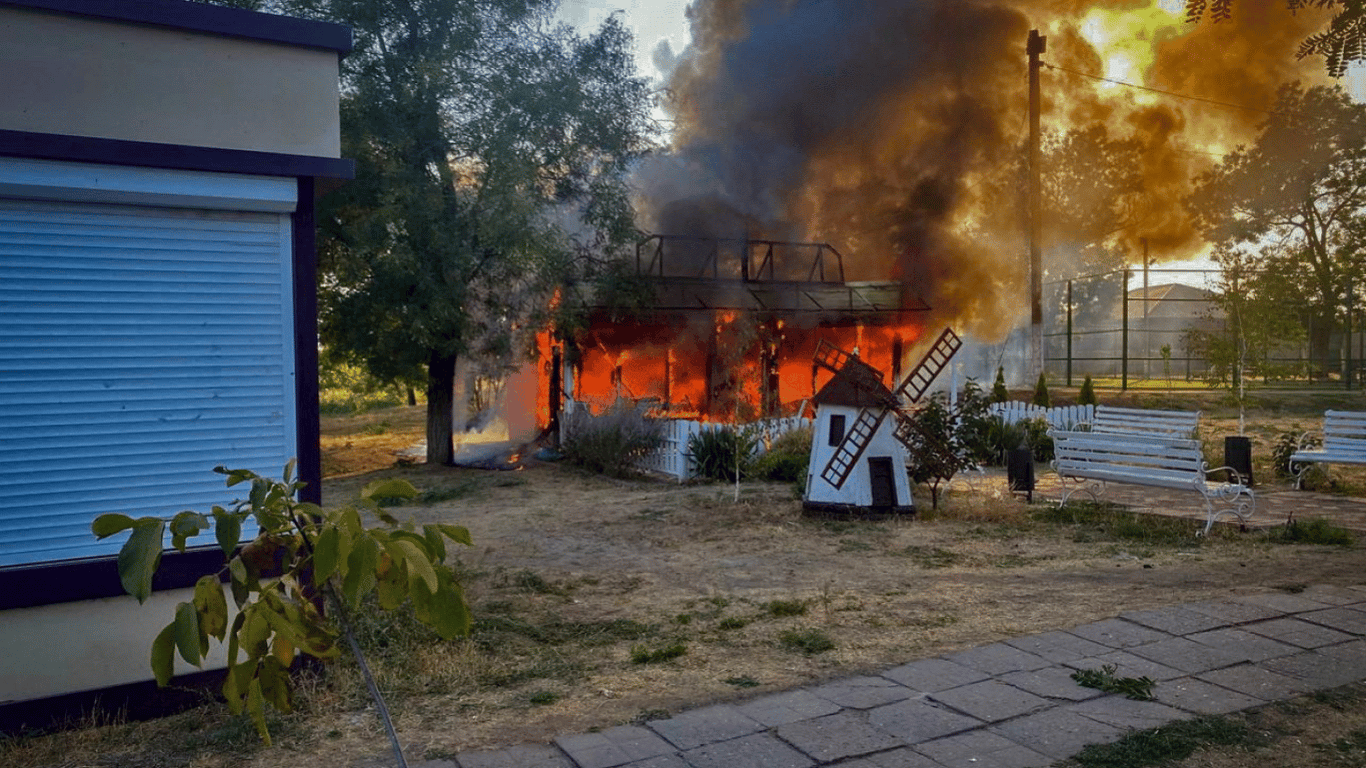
[
  {"x": 457, "y": 533},
  {"x": 212, "y": 606},
  {"x": 163, "y": 655},
  {"x": 392, "y": 589},
  {"x": 256, "y": 707},
  {"x": 241, "y": 581},
  {"x": 360, "y": 570},
  {"x": 140, "y": 556},
  {"x": 187, "y": 633},
  {"x": 235, "y": 476},
  {"x": 444, "y": 611},
  {"x": 256, "y": 633},
  {"x": 110, "y": 524},
  {"x": 326, "y": 555},
  {"x": 238, "y": 622},
  {"x": 435, "y": 543},
  {"x": 228, "y": 530},
  {"x": 389, "y": 489},
  {"x": 288, "y": 474},
  {"x": 417, "y": 561},
  {"x": 186, "y": 525},
  {"x": 275, "y": 684}
]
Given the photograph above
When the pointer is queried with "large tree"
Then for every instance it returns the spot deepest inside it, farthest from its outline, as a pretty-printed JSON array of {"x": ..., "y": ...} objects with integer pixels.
[
  {"x": 1294, "y": 197},
  {"x": 1343, "y": 42},
  {"x": 490, "y": 147}
]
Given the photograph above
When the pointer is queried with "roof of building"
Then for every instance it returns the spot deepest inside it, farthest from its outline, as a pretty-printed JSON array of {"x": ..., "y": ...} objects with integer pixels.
[{"x": 857, "y": 385}]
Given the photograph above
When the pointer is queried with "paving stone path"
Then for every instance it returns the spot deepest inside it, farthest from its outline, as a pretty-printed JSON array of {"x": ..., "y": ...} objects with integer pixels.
[{"x": 1011, "y": 704}]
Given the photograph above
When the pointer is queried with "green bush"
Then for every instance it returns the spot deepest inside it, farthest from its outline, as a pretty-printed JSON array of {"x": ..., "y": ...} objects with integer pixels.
[
  {"x": 999, "y": 393},
  {"x": 612, "y": 442},
  {"x": 977, "y": 426},
  {"x": 787, "y": 459},
  {"x": 1041, "y": 393},
  {"x": 723, "y": 454},
  {"x": 1087, "y": 395}
]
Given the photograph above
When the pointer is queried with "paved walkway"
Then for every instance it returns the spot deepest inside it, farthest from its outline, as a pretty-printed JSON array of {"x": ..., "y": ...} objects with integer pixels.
[{"x": 1006, "y": 705}]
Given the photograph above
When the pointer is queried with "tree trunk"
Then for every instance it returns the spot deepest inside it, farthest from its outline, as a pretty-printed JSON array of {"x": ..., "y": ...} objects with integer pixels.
[
  {"x": 440, "y": 399},
  {"x": 1319, "y": 347}
]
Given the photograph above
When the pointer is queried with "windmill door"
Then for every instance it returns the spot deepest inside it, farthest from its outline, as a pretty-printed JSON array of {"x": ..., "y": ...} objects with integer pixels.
[{"x": 881, "y": 481}]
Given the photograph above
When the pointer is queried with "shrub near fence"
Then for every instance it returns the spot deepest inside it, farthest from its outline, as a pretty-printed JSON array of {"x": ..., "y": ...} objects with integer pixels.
[{"x": 671, "y": 458}]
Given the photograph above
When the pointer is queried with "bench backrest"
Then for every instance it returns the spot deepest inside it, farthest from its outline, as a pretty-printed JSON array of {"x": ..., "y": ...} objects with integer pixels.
[
  {"x": 1344, "y": 431},
  {"x": 1144, "y": 454},
  {"x": 1144, "y": 421}
]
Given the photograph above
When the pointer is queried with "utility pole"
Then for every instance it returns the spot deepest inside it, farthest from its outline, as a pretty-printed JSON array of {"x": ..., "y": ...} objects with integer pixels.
[{"x": 1036, "y": 47}]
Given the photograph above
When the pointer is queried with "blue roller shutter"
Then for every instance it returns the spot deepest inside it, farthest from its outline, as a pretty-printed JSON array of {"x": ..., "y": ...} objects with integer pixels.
[{"x": 140, "y": 346}]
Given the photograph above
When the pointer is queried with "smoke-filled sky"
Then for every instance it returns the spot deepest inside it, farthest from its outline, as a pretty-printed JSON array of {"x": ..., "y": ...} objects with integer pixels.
[{"x": 889, "y": 128}]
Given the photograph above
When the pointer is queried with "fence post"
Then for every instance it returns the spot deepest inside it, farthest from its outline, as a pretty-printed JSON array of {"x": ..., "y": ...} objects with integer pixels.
[
  {"x": 1069, "y": 333},
  {"x": 1124, "y": 333}
]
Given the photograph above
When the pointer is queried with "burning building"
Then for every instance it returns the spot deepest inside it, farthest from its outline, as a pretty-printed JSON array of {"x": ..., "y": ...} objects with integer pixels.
[
  {"x": 730, "y": 328},
  {"x": 894, "y": 130}
]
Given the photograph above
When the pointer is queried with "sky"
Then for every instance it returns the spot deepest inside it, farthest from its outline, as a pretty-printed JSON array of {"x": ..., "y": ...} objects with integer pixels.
[{"x": 651, "y": 20}]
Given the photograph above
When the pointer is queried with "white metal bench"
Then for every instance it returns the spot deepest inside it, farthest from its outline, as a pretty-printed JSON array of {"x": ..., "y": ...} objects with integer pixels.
[
  {"x": 1344, "y": 442},
  {"x": 1143, "y": 421},
  {"x": 1096, "y": 458}
]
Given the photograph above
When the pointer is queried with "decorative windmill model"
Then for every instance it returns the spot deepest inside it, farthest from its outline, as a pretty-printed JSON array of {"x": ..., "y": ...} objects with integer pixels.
[{"x": 862, "y": 423}]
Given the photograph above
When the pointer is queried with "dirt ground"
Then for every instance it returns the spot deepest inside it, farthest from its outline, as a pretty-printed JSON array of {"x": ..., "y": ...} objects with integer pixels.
[{"x": 731, "y": 576}]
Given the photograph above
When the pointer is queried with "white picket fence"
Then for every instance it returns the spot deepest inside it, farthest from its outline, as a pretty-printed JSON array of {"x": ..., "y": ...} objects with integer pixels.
[
  {"x": 672, "y": 456},
  {"x": 1062, "y": 417}
]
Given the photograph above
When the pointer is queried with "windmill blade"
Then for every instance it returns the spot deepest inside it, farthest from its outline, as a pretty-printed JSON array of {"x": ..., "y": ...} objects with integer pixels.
[
  {"x": 914, "y": 386},
  {"x": 905, "y": 428},
  {"x": 830, "y": 357},
  {"x": 855, "y": 442}
]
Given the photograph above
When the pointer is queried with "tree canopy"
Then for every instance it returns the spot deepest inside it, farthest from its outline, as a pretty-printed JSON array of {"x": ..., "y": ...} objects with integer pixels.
[
  {"x": 1293, "y": 201},
  {"x": 490, "y": 147},
  {"x": 1343, "y": 42}
]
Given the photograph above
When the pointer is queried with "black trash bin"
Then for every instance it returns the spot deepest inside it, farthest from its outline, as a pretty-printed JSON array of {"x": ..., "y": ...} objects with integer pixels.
[
  {"x": 1238, "y": 456},
  {"x": 1020, "y": 472}
]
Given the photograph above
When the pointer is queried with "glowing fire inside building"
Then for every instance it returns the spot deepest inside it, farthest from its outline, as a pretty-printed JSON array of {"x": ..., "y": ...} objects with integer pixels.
[{"x": 730, "y": 331}]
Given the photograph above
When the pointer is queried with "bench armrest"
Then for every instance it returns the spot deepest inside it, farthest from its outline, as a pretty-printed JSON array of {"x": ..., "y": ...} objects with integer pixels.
[{"x": 1235, "y": 473}]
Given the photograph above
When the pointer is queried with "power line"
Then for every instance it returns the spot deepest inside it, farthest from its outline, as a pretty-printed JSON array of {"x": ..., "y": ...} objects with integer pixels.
[{"x": 1177, "y": 95}]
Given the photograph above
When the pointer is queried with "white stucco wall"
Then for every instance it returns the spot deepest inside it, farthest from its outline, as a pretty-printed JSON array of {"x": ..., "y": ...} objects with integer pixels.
[
  {"x": 88, "y": 77},
  {"x": 83, "y": 646}
]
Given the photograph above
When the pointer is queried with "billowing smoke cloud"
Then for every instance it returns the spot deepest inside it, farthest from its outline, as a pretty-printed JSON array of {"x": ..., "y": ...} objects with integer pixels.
[{"x": 890, "y": 127}]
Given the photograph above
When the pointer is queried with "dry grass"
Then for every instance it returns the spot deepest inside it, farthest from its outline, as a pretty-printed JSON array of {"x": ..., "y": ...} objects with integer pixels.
[{"x": 573, "y": 572}]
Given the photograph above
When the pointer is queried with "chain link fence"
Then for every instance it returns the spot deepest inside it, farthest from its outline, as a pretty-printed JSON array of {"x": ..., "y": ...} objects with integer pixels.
[{"x": 1176, "y": 327}]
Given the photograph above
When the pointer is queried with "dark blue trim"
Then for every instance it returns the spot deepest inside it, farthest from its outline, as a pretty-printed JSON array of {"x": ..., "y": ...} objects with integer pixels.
[
  {"x": 308, "y": 429},
  {"x": 209, "y": 19},
  {"x": 67, "y": 581},
  {"x": 87, "y": 149}
]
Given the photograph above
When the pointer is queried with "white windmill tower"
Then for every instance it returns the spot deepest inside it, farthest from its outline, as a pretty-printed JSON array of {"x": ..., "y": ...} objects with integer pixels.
[{"x": 858, "y": 451}]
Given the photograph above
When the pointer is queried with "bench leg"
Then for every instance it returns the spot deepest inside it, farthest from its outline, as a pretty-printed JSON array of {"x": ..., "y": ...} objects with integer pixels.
[
  {"x": 1094, "y": 488},
  {"x": 1240, "y": 502}
]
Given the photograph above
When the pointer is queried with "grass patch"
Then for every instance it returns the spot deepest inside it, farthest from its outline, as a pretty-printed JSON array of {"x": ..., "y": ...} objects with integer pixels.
[
  {"x": 1316, "y": 531},
  {"x": 642, "y": 654},
  {"x": 742, "y": 681},
  {"x": 1104, "y": 679},
  {"x": 1092, "y": 522},
  {"x": 808, "y": 641},
  {"x": 732, "y": 622},
  {"x": 542, "y": 698},
  {"x": 781, "y": 608},
  {"x": 1168, "y": 744}
]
